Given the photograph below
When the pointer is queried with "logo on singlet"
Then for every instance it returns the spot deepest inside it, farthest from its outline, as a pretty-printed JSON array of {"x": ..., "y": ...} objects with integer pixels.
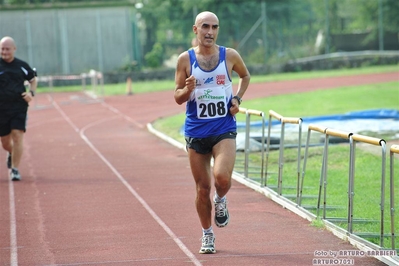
[
  {"x": 220, "y": 79},
  {"x": 197, "y": 83},
  {"x": 207, "y": 96},
  {"x": 209, "y": 80}
]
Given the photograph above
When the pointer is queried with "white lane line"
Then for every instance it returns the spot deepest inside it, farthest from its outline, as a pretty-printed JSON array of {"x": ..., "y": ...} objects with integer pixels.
[
  {"x": 116, "y": 111},
  {"x": 63, "y": 114},
  {"x": 13, "y": 226},
  {"x": 127, "y": 185}
]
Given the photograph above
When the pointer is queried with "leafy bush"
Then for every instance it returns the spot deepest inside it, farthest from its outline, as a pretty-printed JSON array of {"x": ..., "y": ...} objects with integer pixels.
[{"x": 154, "y": 58}]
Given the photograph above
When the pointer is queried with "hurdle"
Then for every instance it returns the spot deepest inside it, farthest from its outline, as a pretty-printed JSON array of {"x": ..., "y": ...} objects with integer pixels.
[
  {"x": 376, "y": 142},
  {"x": 353, "y": 138},
  {"x": 323, "y": 175},
  {"x": 96, "y": 80},
  {"x": 311, "y": 128},
  {"x": 248, "y": 113},
  {"x": 284, "y": 120},
  {"x": 394, "y": 149}
]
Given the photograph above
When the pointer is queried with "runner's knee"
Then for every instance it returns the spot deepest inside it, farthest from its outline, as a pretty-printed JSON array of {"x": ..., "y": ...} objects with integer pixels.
[
  {"x": 222, "y": 181},
  {"x": 6, "y": 142},
  {"x": 203, "y": 191}
]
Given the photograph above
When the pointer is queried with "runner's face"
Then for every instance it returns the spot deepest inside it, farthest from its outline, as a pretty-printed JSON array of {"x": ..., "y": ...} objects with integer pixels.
[
  {"x": 207, "y": 30},
  {"x": 7, "y": 49}
]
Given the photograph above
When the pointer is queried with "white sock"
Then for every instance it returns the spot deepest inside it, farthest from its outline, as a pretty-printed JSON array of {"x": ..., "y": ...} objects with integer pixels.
[
  {"x": 207, "y": 231},
  {"x": 219, "y": 199}
]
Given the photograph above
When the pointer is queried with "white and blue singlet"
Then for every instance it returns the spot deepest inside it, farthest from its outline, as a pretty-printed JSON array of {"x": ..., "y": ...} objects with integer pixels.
[{"x": 207, "y": 110}]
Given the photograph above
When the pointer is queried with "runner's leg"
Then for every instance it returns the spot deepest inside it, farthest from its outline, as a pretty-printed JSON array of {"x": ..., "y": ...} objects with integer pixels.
[
  {"x": 224, "y": 153},
  {"x": 201, "y": 170},
  {"x": 17, "y": 137}
]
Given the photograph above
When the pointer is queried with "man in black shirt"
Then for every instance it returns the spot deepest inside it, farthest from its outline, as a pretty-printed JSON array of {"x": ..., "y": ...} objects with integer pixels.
[{"x": 14, "y": 101}]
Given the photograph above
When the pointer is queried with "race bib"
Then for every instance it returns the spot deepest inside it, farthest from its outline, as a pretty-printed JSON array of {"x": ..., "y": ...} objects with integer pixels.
[{"x": 211, "y": 103}]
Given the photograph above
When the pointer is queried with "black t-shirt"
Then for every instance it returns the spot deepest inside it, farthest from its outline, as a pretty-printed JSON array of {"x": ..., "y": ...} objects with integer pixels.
[{"x": 12, "y": 78}]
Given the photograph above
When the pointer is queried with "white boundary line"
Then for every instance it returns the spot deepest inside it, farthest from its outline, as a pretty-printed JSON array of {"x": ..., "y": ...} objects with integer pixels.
[
  {"x": 13, "y": 226},
  {"x": 116, "y": 111},
  {"x": 165, "y": 137},
  {"x": 81, "y": 132}
]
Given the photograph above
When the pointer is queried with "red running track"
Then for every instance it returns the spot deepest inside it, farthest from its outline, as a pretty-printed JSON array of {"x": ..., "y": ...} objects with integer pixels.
[{"x": 99, "y": 189}]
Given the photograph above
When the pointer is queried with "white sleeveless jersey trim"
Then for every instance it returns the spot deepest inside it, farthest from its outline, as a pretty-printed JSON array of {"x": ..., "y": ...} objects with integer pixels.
[{"x": 207, "y": 110}]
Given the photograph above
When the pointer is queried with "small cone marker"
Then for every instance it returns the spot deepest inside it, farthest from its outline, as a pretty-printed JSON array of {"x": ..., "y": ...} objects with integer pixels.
[{"x": 129, "y": 86}]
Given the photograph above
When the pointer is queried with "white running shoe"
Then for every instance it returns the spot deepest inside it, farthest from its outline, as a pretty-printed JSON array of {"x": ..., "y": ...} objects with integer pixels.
[{"x": 208, "y": 244}]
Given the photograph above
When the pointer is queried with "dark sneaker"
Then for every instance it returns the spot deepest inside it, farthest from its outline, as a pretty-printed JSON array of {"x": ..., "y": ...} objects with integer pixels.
[
  {"x": 14, "y": 175},
  {"x": 9, "y": 161},
  {"x": 208, "y": 244},
  {"x": 221, "y": 214}
]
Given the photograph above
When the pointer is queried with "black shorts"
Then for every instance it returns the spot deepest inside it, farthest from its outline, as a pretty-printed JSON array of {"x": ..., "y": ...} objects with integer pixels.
[
  {"x": 12, "y": 119},
  {"x": 205, "y": 145}
]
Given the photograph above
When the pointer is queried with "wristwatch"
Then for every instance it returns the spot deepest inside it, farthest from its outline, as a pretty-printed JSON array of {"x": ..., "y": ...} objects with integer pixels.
[
  {"x": 238, "y": 99},
  {"x": 32, "y": 92}
]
